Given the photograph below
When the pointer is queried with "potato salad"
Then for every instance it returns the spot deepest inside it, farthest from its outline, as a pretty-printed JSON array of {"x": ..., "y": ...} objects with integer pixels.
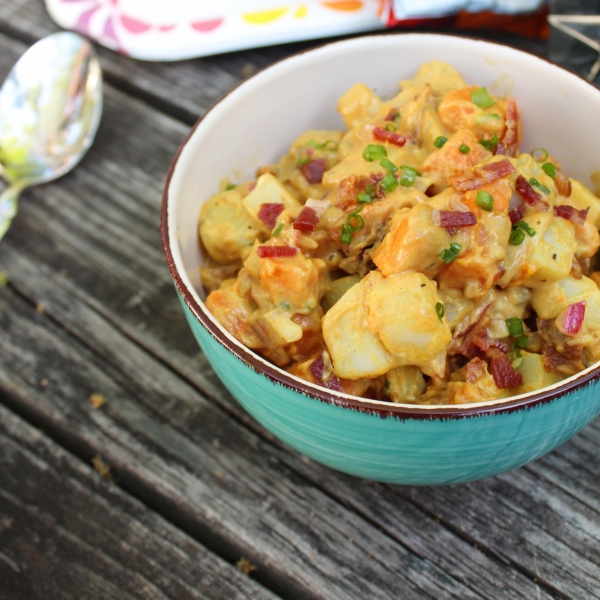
[{"x": 420, "y": 256}]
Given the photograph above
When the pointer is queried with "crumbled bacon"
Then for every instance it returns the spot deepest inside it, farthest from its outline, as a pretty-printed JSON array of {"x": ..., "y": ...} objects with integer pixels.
[
  {"x": 474, "y": 369},
  {"x": 383, "y": 135},
  {"x": 517, "y": 214},
  {"x": 455, "y": 218},
  {"x": 313, "y": 170},
  {"x": 276, "y": 251},
  {"x": 471, "y": 180},
  {"x": 570, "y": 213},
  {"x": 350, "y": 187},
  {"x": 268, "y": 213},
  {"x": 570, "y": 320},
  {"x": 500, "y": 149},
  {"x": 502, "y": 371},
  {"x": 558, "y": 353},
  {"x": 392, "y": 114},
  {"x": 563, "y": 184},
  {"x": 323, "y": 374},
  {"x": 486, "y": 343},
  {"x": 510, "y": 141},
  {"x": 307, "y": 219},
  {"x": 528, "y": 194}
]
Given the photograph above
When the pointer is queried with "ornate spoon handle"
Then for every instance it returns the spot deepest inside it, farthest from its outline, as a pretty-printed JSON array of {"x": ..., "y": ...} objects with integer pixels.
[{"x": 8, "y": 206}]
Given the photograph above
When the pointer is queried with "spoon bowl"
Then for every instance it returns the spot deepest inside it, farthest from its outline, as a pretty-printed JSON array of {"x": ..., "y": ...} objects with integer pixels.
[{"x": 50, "y": 107}]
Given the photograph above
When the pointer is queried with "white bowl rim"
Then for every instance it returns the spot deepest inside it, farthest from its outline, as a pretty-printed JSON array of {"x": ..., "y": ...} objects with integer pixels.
[{"x": 277, "y": 375}]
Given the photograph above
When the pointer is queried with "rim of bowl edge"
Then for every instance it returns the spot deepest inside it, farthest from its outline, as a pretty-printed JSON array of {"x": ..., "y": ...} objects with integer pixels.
[{"x": 315, "y": 392}]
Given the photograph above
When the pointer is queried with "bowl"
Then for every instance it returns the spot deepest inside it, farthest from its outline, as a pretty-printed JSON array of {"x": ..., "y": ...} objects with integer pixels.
[{"x": 253, "y": 125}]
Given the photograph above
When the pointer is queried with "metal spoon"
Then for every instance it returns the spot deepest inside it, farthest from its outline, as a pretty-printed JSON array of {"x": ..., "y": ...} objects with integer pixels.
[{"x": 50, "y": 106}]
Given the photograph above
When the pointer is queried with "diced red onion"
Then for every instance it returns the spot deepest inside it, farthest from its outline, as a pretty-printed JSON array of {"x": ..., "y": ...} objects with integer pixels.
[
  {"x": 268, "y": 213},
  {"x": 383, "y": 135},
  {"x": 307, "y": 220},
  {"x": 570, "y": 320},
  {"x": 313, "y": 170},
  {"x": 276, "y": 251}
]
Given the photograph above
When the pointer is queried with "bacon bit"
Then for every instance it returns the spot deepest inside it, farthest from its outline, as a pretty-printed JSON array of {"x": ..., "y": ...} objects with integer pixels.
[
  {"x": 454, "y": 218},
  {"x": 307, "y": 220},
  {"x": 501, "y": 271},
  {"x": 456, "y": 203},
  {"x": 313, "y": 171},
  {"x": 502, "y": 371},
  {"x": 327, "y": 379},
  {"x": 530, "y": 195},
  {"x": 268, "y": 213},
  {"x": 472, "y": 180},
  {"x": 392, "y": 114},
  {"x": 563, "y": 184},
  {"x": 517, "y": 214},
  {"x": 558, "y": 355},
  {"x": 276, "y": 251},
  {"x": 351, "y": 186},
  {"x": 570, "y": 320},
  {"x": 570, "y": 213},
  {"x": 500, "y": 149},
  {"x": 576, "y": 270},
  {"x": 379, "y": 133},
  {"x": 510, "y": 141},
  {"x": 485, "y": 344},
  {"x": 474, "y": 369}
]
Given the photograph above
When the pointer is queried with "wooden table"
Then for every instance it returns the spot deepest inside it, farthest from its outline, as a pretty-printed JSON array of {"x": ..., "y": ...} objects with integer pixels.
[{"x": 169, "y": 489}]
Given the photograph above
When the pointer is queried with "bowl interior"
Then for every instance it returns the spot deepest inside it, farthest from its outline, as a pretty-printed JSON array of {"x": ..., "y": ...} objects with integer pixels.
[{"x": 256, "y": 122}]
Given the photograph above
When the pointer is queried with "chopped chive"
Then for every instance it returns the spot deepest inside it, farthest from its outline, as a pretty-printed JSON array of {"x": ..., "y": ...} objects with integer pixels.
[
  {"x": 464, "y": 149},
  {"x": 386, "y": 163},
  {"x": 449, "y": 254},
  {"x": 346, "y": 236},
  {"x": 484, "y": 200},
  {"x": 389, "y": 126},
  {"x": 439, "y": 141},
  {"x": 483, "y": 119},
  {"x": 533, "y": 181},
  {"x": 317, "y": 146},
  {"x": 520, "y": 342},
  {"x": 517, "y": 237},
  {"x": 408, "y": 176},
  {"x": 277, "y": 230},
  {"x": 374, "y": 152},
  {"x": 301, "y": 161},
  {"x": 440, "y": 311},
  {"x": 490, "y": 144},
  {"x": 231, "y": 186},
  {"x": 542, "y": 154},
  {"x": 515, "y": 327},
  {"x": 481, "y": 98},
  {"x": 348, "y": 229},
  {"x": 519, "y": 230},
  {"x": 389, "y": 183},
  {"x": 364, "y": 198},
  {"x": 549, "y": 169}
]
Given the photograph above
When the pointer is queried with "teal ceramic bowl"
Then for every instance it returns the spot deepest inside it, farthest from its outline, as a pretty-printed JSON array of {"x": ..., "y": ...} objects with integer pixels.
[{"x": 253, "y": 125}]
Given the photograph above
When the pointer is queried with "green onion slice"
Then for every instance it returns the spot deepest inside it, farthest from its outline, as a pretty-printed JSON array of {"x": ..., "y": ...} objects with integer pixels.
[
  {"x": 481, "y": 98},
  {"x": 386, "y": 163},
  {"x": 389, "y": 126},
  {"x": 303, "y": 161},
  {"x": 231, "y": 186},
  {"x": 464, "y": 149},
  {"x": 348, "y": 229},
  {"x": 440, "y": 311},
  {"x": 277, "y": 230},
  {"x": 484, "y": 200},
  {"x": 333, "y": 145},
  {"x": 408, "y": 176},
  {"x": 491, "y": 143},
  {"x": 515, "y": 327},
  {"x": 449, "y": 254},
  {"x": 374, "y": 152},
  {"x": 389, "y": 183},
  {"x": 439, "y": 141},
  {"x": 549, "y": 169},
  {"x": 517, "y": 237},
  {"x": 520, "y": 342},
  {"x": 521, "y": 226},
  {"x": 483, "y": 119},
  {"x": 540, "y": 154},
  {"x": 533, "y": 181}
]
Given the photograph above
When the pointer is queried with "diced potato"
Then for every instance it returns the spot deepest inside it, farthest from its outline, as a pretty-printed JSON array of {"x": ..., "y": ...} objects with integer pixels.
[
  {"x": 551, "y": 299},
  {"x": 412, "y": 244},
  {"x": 359, "y": 105},
  {"x": 226, "y": 228},
  {"x": 356, "y": 351},
  {"x": 279, "y": 329},
  {"x": 337, "y": 288},
  {"x": 401, "y": 310},
  {"x": 441, "y": 76},
  {"x": 404, "y": 384},
  {"x": 535, "y": 377},
  {"x": 581, "y": 198},
  {"x": 268, "y": 191},
  {"x": 545, "y": 257}
]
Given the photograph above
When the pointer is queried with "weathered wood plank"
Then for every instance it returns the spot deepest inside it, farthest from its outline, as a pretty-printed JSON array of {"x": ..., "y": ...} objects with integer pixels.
[
  {"x": 90, "y": 235},
  {"x": 215, "y": 479},
  {"x": 65, "y": 532}
]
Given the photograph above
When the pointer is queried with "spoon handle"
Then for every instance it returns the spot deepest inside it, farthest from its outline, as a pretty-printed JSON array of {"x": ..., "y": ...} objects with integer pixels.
[{"x": 8, "y": 206}]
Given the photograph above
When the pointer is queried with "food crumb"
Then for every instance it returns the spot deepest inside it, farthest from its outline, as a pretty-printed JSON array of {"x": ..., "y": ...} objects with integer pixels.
[
  {"x": 63, "y": 272},
  {"x": 245, "y": 566},
  {"x": 247, "y": 69},
  {"x": 97, "y": 400},
  {"x": 44, "y": 383},
  {"x": 3, "y": 279},
  {"x": 102, "y": 468},
  {"x": 40, "y": 309}
]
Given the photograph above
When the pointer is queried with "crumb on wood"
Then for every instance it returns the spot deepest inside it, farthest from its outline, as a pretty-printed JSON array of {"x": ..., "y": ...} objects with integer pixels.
[
  {"x": 97, "y": 400},
  {"x": 44, "y": 383},
  {"x": 247, "y": 69},
  {"x": 3, "y": 279},
  {"x": 103, "y": 468},
  {"x": 40, "y": 309},
  {"x": 64, "y": 272},
  {"x": 245, "y": 566}
]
